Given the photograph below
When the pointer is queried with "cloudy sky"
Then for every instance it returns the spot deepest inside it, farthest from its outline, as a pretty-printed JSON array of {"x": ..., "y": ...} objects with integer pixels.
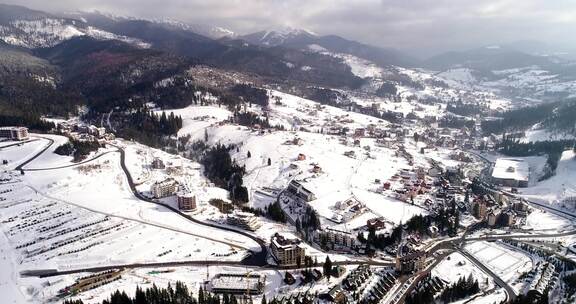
[{"x": 431, "y": 25}]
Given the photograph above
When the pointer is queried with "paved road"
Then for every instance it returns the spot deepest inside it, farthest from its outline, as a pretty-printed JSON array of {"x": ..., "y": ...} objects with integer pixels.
[
  {"x": 423, "y": 274},
  {"x": 458, "y": 243},
  {"x": 18, "y": 143},
  {"x": 71, "y": 165},
  {"x": 513, "y": 195},
  {"x": 511, "y": 292},
  {"x": 50, "y": 143},
  {"x": 42, "y": 273},
  {"x": 255, "y": 259},
  {"x": 259, "y": 259}
]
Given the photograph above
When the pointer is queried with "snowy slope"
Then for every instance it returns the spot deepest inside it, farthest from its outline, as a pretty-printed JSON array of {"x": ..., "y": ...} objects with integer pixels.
[
  {"x": 48, "y": 32},
  {"x": 560, "y": 186},
  {"x": 60, "y": 218}
]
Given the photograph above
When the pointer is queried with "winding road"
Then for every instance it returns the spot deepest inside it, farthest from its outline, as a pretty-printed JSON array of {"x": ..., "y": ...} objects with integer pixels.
[
  {"x": 509, "y": 290},
  {"x": 254, "y": 259},
  {"x": 258, "y": 259},
  {"x": 50, "y": 143}
]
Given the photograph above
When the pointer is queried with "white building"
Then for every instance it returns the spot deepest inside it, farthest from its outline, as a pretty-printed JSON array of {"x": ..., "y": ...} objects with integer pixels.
[
  {"x": 298, "y": 190},
  {"x": 14, "y": 133},
  {"x": 287, "y": 252},
  {"x": 164, "y": 188},
  {"x": 511, "y": 172},
  {"x": 244, "y": 220}
]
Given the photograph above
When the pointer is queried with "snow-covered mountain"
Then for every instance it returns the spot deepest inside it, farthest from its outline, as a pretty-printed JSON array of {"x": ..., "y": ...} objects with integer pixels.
[
  {"x": 214, "y": 32},
  {"x": 309, "y": 41},
  {"x": 280, "y": 37},
  {"x": 32, "y": 29},
  {"x": 531, "y": 83},
  {"x": 490, "y": 57},
  {"x": 95, "y": 18},
  {"x": 513, "y": 73}
]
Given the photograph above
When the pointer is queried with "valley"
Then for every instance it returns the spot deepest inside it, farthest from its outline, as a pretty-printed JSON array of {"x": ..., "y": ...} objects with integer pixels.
[{"x": 143, "y": 157}]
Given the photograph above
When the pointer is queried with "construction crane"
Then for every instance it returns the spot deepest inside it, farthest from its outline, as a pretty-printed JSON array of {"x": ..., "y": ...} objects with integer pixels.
[{"x": 248, "y": 296}]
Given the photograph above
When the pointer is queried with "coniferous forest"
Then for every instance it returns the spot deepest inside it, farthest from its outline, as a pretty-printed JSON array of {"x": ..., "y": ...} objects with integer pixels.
[{"x": 177, "y": 294}]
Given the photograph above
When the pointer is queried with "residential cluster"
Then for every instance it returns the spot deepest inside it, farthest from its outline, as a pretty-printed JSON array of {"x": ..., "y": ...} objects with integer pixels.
[{"x": 84, "y": 132}]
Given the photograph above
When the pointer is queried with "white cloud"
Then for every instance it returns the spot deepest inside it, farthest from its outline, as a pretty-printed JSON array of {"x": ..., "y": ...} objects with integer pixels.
[{"x": 432, "y": 24}]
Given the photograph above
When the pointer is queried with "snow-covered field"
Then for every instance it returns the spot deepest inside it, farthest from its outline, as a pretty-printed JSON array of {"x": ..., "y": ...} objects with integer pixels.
[
  {"x": 536, "y": 134},
  {"x": 341, "y": 176},
  {"x": 557, "y": 188},
  {"x": 508, "y": 264},
  {"x": 62, "y": 219},
  {"x": 456, "y": 266},
  {"x": 525, "y": 83},
  {"x": 197, "y": 118},
  {"x": 78, "y": 216}
]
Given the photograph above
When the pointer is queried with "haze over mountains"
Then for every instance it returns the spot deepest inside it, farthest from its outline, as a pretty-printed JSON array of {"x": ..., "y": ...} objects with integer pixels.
[
  {"x": 16, "y": 21},
  {"x": 107, "y": 58},
  {"x": 191, "y": 163}
]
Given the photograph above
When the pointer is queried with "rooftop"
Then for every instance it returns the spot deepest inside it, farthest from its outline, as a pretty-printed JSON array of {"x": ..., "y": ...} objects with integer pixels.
[
  {"x": 510, "y": 168},
  {"x": 237, "y": 281},
  {"x": 12, "y": 128},
  {"x": 284, "y": 242}
]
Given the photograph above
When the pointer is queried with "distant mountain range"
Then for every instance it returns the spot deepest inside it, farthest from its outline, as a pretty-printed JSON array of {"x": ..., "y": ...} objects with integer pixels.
[
  {"x": 107, "y": 58},
  {"x": 490, "y": 58},
  {"x": 29, "y": 28},
  {"x": 306, "y": 40}
]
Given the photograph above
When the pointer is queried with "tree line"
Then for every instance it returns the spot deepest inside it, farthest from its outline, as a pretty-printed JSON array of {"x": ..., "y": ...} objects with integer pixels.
[
  {"x": 148, "y": 127},
  {"x": 462, "y": 289},
  {"x": 177, "y": 294},
  {"x": 447, "y": 221},
  {"x": 32, "y": 121},
  {"x": 78, "y": 149},
  {"x": 518, "y": 119},
  {"x": 225, "y": 173},
  {"x": 553, "y": 150},
  {"x": 251, "y": 94}
]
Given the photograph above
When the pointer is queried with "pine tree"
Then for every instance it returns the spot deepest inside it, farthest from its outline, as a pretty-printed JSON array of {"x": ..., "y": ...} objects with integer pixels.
[
  {"x": 298, "y": 225},
  {"x": 201, "y": 298},
  {"x": 140, "y": 297},
  {"x": 327, "y": 268}
]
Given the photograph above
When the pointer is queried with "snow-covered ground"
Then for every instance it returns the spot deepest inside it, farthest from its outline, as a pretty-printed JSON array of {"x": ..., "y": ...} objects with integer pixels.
[
  {"x": 558, "y": 187},
  {"x": 341, "y": 178},
  {"x": 85, "y": 226},
  {"x": 508, "y": 264},
  {"x": 48, "y": 32},
  {"x": 536, "y": 134},
  {"x": 62, "y": 219},
  {"x": 197, "y": 118},
  {"x": 456, "y": 266},
  {"x": 360, "y": 67},
  {"x": 525, "y": 83}
]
